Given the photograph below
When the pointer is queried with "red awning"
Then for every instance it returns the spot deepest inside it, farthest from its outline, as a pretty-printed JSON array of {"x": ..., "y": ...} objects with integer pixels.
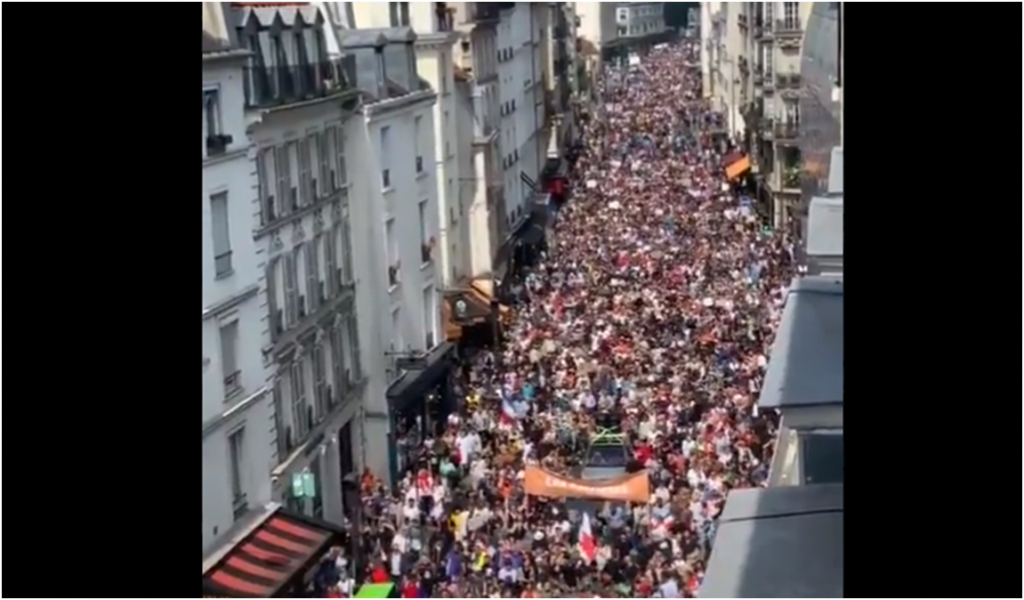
[{"x": 268, "y": 557}]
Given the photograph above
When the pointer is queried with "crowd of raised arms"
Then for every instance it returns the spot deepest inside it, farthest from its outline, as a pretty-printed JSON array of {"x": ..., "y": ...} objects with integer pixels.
[{"x": 633, "y": 357}]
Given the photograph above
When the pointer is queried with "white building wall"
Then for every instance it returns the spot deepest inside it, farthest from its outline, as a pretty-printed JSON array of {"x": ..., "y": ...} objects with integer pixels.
[
  {"x": 638, "y": 19},
  {"x": 597, "y": 22},
  {"x": 302, "y": 328},
  {"x": 519, "y": 71},
  {"x": 479, "y": 104},
  {"x": 405, "y": 314},
  {"x": 435, "y": 47},
  {"x": 434, "y": 62},
  {"x": 236, "y": 408},
  {"x": 708, "y": 51}
]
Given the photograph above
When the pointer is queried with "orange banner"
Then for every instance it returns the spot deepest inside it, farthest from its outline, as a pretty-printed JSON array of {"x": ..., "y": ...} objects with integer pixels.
[
  {"x": 635, "y": 487},
  {"x": 737, "y": 168}
]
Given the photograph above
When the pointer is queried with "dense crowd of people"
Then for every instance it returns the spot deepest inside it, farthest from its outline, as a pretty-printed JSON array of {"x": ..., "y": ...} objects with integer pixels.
[{"x": 650, "y": 313}]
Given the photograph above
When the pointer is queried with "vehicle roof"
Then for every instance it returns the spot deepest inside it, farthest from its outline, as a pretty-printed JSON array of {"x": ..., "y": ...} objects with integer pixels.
[{"x": 602, "y": 472}]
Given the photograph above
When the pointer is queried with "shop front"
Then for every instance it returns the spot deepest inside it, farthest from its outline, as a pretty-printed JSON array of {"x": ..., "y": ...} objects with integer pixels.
[
  {"x": 419, "y": 403},
  {"x": 474, "y": 315},
  {"x": 523, "y": 248},
  {"x": 274, "y": 554}
]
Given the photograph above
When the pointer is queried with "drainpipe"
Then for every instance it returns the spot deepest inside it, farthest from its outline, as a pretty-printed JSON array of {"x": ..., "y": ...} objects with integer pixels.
[
  {"x": 842, "y": 80},
  {"x": 533, "y": 80}
]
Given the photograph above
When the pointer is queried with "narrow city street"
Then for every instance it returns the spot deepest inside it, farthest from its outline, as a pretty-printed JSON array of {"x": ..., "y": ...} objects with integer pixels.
[{"x": 594, "y": 451}]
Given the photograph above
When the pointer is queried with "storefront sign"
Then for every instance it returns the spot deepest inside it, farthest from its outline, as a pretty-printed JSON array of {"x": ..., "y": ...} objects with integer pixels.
[{"x": 303, "y": 485}]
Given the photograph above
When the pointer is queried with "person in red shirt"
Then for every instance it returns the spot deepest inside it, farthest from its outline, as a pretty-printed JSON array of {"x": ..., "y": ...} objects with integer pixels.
[
  {"x": 643, "y": 453},
  {"x": 379, "y": 574},
  {"x": 411, "y": 589}
]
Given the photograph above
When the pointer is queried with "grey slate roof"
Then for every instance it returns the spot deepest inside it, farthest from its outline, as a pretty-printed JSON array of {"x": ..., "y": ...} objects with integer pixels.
[
  {"x": 806, "y": 363},
  {"x": 783, "y": 542},
  {"x": 825, "y": 227},
  {"x": 290, "y": 15},
  {"x": 351, "y": 39},
  {"x": 362, "y": 38}
]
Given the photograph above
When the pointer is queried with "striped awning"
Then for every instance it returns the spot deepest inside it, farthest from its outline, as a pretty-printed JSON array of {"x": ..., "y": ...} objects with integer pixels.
[{"x": 268, "y": 557}]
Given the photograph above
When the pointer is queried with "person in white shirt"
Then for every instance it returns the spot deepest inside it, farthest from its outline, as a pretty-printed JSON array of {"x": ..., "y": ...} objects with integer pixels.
[{"x": 411, "y": 510}]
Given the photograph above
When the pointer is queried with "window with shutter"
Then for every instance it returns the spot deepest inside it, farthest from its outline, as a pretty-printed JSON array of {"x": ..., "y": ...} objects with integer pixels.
[
  {"x": 353, "y": 350},
  {"x": 305, "y": 174},
  {"x": 331, "y": 280},
  {"x": 313, "y": 290},
  {"x": 324, "y": 155},
  {"x": 338, "y": 361},
  {"x": 284, "y": 179},
  {"x": 291, "y": 291},
  {"x": 331, "y": 145},
  {"x": 294, "y": 177},
  {"x": 267, "y": 183},
  {"x": 345, "y": 250},
  {"x": 320, "y": 381},
  {"x": 299, "y": 403},
  {"x": 276, "y": 318},
  {"x": 340, "y": 166}
]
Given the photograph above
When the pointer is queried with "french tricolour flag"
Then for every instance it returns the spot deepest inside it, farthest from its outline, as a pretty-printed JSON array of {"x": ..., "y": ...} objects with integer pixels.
[{"x": 586, "y": 543}]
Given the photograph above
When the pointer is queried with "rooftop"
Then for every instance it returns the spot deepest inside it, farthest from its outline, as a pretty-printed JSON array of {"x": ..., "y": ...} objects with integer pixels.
[
  {"x": 825, "y": 226},
  {"x": 784, "y": 542},
  {"x": 835, "y": 172},
  {"x": 806, "y": 364}
]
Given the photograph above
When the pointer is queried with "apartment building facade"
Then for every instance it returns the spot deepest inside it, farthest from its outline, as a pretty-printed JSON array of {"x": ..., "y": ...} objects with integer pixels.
[
  {"x": 754, "y": 55},
  {"x": 237, "y": 404},
  {"x": 298, "y": 96},
  {"x": 639, "y": 19},
  {"x": 392, "y": 144},
  {"x": 480, "y": 114},
  {"x": 436, "y": 40}
]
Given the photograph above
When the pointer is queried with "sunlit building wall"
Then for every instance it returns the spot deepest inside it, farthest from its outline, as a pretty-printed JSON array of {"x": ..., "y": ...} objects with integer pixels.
[{"x": 820, "y": 98}]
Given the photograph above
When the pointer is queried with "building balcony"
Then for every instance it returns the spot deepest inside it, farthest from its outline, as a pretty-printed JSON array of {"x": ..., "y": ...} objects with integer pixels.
[
  {"x": 785, "y": 131},
  {"x": 789, "y": 179},
  {"x": 788, "y": 27},
  {"x": 787, "y": 81},
  {"x": 484, "y": 12},
  {"x": 758, "y": 30},
  {"x": 269, "y": 87}
]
